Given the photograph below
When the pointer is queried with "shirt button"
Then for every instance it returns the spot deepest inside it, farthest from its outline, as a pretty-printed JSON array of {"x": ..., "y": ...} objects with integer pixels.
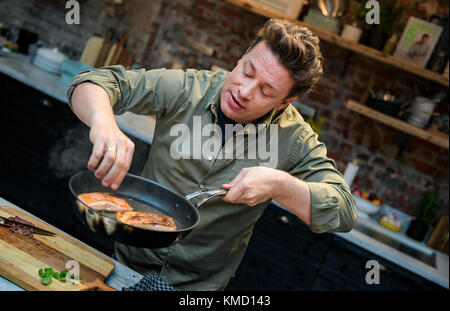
[
  {"x": 210, "y": 158},
  {"x": 202, "y": 186}
]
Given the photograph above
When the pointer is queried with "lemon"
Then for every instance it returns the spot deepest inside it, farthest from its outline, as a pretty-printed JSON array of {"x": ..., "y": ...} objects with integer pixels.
[{"x": 390, "y": 226}]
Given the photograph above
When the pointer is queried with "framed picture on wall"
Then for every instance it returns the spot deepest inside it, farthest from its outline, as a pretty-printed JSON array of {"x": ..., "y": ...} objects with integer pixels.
[{"x": 418, "y": 41}]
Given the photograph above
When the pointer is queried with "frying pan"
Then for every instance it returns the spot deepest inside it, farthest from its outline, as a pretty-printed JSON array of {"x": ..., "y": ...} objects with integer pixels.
[{"x": 143, "y": 195}]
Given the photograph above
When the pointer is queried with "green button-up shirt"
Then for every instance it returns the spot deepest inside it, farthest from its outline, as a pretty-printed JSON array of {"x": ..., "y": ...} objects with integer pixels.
[{"x": 209, "y": 256}]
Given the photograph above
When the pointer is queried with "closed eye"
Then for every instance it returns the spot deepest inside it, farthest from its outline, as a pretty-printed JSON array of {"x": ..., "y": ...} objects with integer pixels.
[{"x": 247, "y": 74}]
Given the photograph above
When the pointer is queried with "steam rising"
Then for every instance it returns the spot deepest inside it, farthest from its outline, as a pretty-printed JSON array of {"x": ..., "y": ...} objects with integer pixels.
[{"x": 71, "y": 153}]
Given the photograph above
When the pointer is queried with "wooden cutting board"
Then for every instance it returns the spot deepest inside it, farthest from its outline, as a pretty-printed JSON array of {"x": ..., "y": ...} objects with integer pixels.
[
  {"x": 111, "y": 52},
  {"x": 91, "y": 50},
  {"x": 21, "y": 257},
  {"x": 104, "y": 51}
]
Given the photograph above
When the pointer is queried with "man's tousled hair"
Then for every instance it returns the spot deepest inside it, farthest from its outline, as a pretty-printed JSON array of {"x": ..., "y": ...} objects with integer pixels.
[{"x": 298, "y": 51}]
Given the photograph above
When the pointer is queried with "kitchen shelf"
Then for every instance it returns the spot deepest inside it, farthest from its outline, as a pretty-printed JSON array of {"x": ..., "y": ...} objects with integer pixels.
[
  {"x": 349, "y": 45},
  {"x": 441, "y": 140}
]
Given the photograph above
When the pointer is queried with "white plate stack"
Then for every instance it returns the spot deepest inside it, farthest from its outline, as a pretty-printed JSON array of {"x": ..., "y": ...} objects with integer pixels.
[{"x": 49, "y": 59}]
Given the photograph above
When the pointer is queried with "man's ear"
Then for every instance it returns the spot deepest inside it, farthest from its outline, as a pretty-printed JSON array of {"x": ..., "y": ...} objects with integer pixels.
[{"x": 285, "y": 102}]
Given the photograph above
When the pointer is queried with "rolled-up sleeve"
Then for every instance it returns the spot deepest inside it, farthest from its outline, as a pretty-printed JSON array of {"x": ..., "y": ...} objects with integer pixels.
[
  {"x": 147, "y": 92},
  {"x": 333, "y": 208}
]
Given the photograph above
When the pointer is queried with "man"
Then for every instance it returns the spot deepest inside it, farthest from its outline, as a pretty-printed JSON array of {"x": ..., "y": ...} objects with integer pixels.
[
  {"x": 282, "y": 62},
  {"x": 419, "y": 49}
]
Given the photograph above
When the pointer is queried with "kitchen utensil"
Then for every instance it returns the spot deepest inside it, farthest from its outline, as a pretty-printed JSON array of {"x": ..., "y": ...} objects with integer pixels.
[
  {"x": 104, "y": 51},
  {"x": 332, "y": 8},
  {"x": 21, "y": 257},
  {"x": 143, "y": 195},
  {"x": 323, "y": 7},
  {"x": 98, "y": 285},
  {"x": 35, "y": 230},
  {"x": 91, "y": 50},
  {"x": 329, "y": 23}
]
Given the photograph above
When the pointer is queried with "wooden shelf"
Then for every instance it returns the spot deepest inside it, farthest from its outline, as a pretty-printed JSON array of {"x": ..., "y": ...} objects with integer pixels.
[
  {"x": 441, "y": 140},
  {"x": 349, "y": 45}
]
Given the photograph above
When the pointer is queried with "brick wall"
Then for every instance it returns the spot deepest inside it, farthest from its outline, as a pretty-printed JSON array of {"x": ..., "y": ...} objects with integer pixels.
[
  {"x": 139, "y": 18},
  {"x": 158, "y": 32}
]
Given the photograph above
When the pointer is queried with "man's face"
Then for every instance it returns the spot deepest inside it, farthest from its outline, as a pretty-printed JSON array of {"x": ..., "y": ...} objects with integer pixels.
[
  {"x": 258, "y": 84},
  {"x": 424, "y": 40}
]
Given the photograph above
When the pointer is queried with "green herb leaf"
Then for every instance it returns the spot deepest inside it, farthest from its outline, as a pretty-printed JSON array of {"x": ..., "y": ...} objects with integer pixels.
[
  {"x": 46, "y": 275},
  {"x": 48, "y": 270},
  {"x": 63, "y": 273},
  {"x": 46, "y": 280}
]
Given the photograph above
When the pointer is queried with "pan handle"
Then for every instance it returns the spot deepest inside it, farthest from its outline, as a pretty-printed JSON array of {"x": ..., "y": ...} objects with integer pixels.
[{"x": 211, "y": 194}]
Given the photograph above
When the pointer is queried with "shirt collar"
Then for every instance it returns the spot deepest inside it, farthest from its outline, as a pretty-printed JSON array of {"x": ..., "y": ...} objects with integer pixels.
[
  {"x": 265, "y": 119},
  {"x": 213, "y": 104}
]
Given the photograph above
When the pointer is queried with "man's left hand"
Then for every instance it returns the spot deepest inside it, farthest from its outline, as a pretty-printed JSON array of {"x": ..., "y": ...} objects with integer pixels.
[{"x": 253, "y": 185}]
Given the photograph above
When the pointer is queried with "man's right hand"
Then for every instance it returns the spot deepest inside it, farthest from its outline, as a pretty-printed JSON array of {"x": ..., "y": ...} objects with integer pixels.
[{"x": 112, "y": 151}]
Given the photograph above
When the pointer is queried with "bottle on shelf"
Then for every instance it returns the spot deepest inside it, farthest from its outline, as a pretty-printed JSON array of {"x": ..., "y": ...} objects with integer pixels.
[
  {"x": 390, "y": 45},
  {"x": 350, "y": 172}
]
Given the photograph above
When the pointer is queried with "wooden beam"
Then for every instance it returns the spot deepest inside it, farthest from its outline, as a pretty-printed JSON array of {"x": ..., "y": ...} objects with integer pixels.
[
  {"x": 348, "y": 44},
  {"x": 441, "y": 140}
]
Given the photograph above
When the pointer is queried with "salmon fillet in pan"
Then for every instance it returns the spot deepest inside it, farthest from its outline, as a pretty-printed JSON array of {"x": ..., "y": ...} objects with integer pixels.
[
  {"x": 100, "y": 201},
  {"x": 147, "y": 220}
]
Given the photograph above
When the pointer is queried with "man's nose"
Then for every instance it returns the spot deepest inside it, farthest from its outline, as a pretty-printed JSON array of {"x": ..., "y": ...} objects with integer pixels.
[{"x": 246, "y": 90}]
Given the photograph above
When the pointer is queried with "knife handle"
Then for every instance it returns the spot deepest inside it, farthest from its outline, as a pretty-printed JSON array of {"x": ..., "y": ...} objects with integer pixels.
[{"x": 98, "y": 285}]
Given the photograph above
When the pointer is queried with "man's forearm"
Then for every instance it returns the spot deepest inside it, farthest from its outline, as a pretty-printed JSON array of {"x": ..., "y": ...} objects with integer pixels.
[
  {"x": 294, "y": 194},
  {"x": 112, "y": 150},
  {"x": 91, "y": 102}
]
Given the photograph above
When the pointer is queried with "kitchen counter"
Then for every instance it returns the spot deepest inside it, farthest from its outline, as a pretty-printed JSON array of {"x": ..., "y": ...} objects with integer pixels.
[
  {"x": 120, "y": 277},
  {"x": 20, "y": 68},
  {"x": 438, "y": 275}
]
